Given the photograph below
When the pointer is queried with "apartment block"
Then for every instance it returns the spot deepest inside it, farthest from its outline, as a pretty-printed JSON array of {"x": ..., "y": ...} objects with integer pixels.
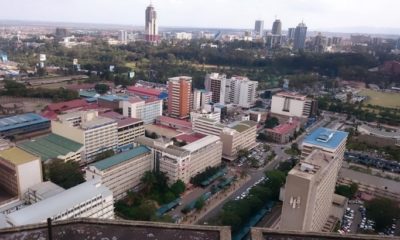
[
  {"x": 87, "y": 200},
  {"x": 19, "y": 170},
  {"x": 146, "y": 110},
  {"x": 293, "y": 105},
  {"x": 311, "y": 184},
  {"x": 121, "y": 173},
  {"x": 216, "y": 83},
  {"x": 200, "y": 99},
  {"x": 97, "y": 134},
  {"x": 179, "y": 96},
  {"x": 207, "y": 126},
  {"x": 241, "y": 91},
  {"x": 205, "y": 114}
]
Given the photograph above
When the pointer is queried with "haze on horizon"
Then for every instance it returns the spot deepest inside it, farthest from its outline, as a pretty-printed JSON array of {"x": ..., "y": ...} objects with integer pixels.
[{"x": 327, "y": 15}]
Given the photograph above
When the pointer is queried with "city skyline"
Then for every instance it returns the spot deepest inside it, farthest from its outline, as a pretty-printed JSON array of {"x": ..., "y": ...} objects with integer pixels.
[{"x": 318, "y": 15}]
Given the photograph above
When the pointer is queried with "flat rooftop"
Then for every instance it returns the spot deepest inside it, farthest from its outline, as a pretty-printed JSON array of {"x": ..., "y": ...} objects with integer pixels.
[
  {"x": 50, "y": 146},
  {"x": 173, "y": 121},
  {"x": 242, "y": 126},
  {"x": 292, "y": 95},
  {"x": 326, "y": 138},
  {"x": 17, "y": 156},
  {"x": 21, "y": 121},
  {"x": 122, "y": 121},
  {"x": 313, "y": 165},
  {"x": 162, "y": 130},
  {"x": 120, "y": 158},
  {"x": 285, "y": 127}
]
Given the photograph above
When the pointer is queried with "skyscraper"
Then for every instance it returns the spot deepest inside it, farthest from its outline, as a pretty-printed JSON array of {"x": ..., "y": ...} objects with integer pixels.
[
  {"x": 259, "y": 27},
  {"x": 151, "y": 26},
  {"x": 300, "y": 35},
  {"x": 310, "y": 185},
  {"x": 291, "y": 32},
  {"x": 179, "y": 95},
  {"x": 277, "y": 27},
  {"x": 398, "y": 44},
  {"x": 216, "y": 83},
  {"x": 123, "y": 36}
]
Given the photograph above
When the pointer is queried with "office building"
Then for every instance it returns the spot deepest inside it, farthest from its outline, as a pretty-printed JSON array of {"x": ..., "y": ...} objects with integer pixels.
[
  {"x": 86, "y": 200},
  {"x": 97, "y": 134},
  {"x": 238, "y": 136},
  {"x": 61, "y": 33},
  {"x": 277, "y": 27},
  {"x": 200, "y": 99},
  {"x": 146, "y": 110},
  {"x": 174, "y": 123},
  {"x": 22, "y": 125},
  {"x": 41, "y": 191},
  {"x": 300, "y": 35},
  {"x": 398, "y": 44},
  {"x": 147, "y": 93},
  {"x": 241, "y": 91},
  {"x": 183, "y": 162},
  {"x": 123, "y": 37},
  {"x": 19, "y": 170},
  {"x": 205, "y": 114},
  {"x": 207, "y": 126},
  {"x": 54, "y": 146},
  {"x": 216, "y": 84},
  {"x": 319, "y": 43},
  {"x": 284, "y": 133},
  {"x": 290, "y": 34},
  {"x": 273, "y": 41},
  {"x": 310, "y": 185},
  {"x": 183, "y": 36},
  {"x": 259, "y": 28},
  {"x": 151, "y": 25},
  {"x": 293, "y": 105},
  {"x": 122, "y": 172},
  {"x": 179, "y": 96},
  {"x": 128, "y": 128},
  {"x": 111, "y": 101}
]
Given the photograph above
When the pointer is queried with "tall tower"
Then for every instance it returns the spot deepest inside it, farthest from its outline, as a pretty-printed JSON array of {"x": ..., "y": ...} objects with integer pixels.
[
  {"x": 179, "y": 96},
  {"x": 259, "y": 27},
  {"x": 151, "y": 26},
  {"x": 277, "y": 27},
  {"x": 300, "y": 35}
]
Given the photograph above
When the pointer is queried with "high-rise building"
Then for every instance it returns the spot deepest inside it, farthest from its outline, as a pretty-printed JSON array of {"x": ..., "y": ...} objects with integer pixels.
[
  {"x": 123, "y": 36},
  {"x": 216, "y": 83},
  {"x": 300, "y": 35},
  {"x": 146, "y": 110},
  {"x": 241, "y": 91},
  {"x": 61, "y": 33},
  {"x": 200, "y": 99},
  {"x": 398, "y": 44},
  {"x": 291, "y": 32},
  {"x": 151, "y": 25},
  {"x": 293, "y": 105},
  {"x": 277, "y": 27},
  {"x": 319, "y": 43},
  {"x": 179, "y": 96},
  {"x": 310, "y": 185},
  {"x": 259, "y": 27}
]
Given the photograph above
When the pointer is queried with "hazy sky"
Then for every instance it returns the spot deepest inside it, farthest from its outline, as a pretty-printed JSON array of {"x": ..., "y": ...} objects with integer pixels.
[{"x": 317, "y": 14}]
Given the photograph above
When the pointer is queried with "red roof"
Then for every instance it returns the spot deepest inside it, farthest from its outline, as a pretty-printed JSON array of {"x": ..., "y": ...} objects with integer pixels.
[
  {"x": 189, "y": 138},
  {"x": 173, "y": 121},
  {"x": 145, "y": 91},
  {"x": 285, "y": 128},
  {"x": 63, "y": 106},
  {"x": 49, "y": 115}
]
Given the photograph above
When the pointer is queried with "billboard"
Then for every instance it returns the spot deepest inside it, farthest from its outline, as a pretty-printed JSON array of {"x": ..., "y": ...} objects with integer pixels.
[
  {"x": 112, "y": 67},
  {"x": 42, "y": 57},
  {"x": 75, "y": 61},
  {"x": 131, "y": 74}
]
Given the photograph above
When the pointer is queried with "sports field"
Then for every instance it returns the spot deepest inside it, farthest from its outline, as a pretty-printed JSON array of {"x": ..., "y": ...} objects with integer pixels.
[{"x": 390, "y": 100}]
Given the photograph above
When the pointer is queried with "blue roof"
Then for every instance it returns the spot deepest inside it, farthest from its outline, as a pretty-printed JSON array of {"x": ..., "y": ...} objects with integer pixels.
[
  {"x": 88, "y": 94},
  {"x": 21, "y": 121},
  {"x": 120, "y": 158},
  {"x": 112, "y": 98},
  {"x": 326, "y": 138}
]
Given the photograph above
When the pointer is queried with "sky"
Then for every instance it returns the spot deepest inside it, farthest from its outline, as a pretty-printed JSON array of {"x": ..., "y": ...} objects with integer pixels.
[{"x": 317, "y": 14}]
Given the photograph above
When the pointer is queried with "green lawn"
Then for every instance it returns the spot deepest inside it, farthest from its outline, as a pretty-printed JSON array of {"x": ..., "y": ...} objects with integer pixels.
[{"x": 390, "y": 100}]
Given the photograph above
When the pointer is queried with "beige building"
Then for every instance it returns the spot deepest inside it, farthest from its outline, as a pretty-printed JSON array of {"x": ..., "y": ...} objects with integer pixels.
[
  {"x": 207, "y": 126},
  {"x": 122, "y": 172},
  {"x": 310, "y": 185},
  {"x": 97, "y": 134},
  {"x": 183, "y": 162},
  {"x": 19, "y": 170}
]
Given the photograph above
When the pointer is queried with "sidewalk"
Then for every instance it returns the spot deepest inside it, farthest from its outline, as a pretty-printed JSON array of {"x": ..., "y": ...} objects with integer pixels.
[{"x": 214, "y": 201}]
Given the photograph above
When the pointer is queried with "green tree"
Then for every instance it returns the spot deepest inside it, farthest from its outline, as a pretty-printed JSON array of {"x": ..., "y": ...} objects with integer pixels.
[
  {"x": 276, "y": 179},
  {"x": 347, "y": 191},
  {"x": 101, "y": 88},
  {"x": 178, "y": 188},
  {"x": 229, "y": 218},
  {"x": 199, "y": 203},
  {"x": 382, "y": 211},
  {"x": 64, "y": 174},
  {"x": 271, "y": 122},
  {"x": 148, "y": 181}
]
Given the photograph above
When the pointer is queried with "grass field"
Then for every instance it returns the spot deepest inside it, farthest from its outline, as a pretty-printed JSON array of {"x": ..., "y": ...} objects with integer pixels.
[{"x": 390, "y": 100}]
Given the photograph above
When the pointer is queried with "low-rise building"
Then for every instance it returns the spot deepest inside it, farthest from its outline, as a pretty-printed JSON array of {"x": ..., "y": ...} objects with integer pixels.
[
  {"x": 42, "y": 191},
  {"x": 19, "y": 170},
  {"x": 147, "y": 110},
  {"x": 87, "y": 200},
  {"x": 284, "y": 133},
  {"x": 111, "y": 101},
  {"x": 122, "y": 172},
  {"x": 97, "y": 134},
  {"x": 207, "y": 126},
  {"x": 19, "y": 125},
  {"x": 54, "y": 146},
  {"x": 173, "y": 123},
  {"x": 128, "y": 128},
  {"x": 205, "y": 114}
]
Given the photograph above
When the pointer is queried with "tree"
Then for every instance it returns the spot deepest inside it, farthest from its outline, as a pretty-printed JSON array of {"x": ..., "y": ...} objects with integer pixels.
[
  {"x": 101, "y": 88},
  {"x": 275, "y": 181},
  {"x": 199, "y": 203},
  {"x": 382, "y": 211},
  {"x": 64, "y": 174},
  {"x": 148, "y": 180},
  {"x": 229, "y": 218},
  {"x": 347, "y": 191},
  {"x": 178, "y": 188},
  {"x": 271, "y": 122}
]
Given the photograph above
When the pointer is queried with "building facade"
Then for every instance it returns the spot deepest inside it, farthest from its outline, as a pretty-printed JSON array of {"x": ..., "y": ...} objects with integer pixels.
[
  {"x": 293, "y": 105},
  {"x": 216, "y": 84},
  {"x": 123, "y": 172},
  {"x": 277, "y": 27},
  {"x": 147, "y": 110},
  {"x": 300, "y": 35},
  {"x": 200, "y": 99},
  {"x": 179, "y": 96},
  {"x": 151, "y": 25},
  {"x": 241, "y": 91},
  {"x": 259, "y": 28},
  {"x": 29, "y": 123},
  {"x": 284, "y": 133},
  {"x": 311, "y": 184}
]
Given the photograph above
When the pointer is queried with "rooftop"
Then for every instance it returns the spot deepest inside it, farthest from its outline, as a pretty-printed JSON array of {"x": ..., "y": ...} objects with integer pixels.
[
  {"x": 17, "y": 156},
  {"x": 145, "y": 91},
  {"x": 205, "y": 141},
  {"x": 121, "y": 120},
  {"x": 47, "y": 189},
  {"x": 21, "y": 121},
  {"x": 173, "y": 121},
  {"x": 113, "y": 98},
  {"x": 327, "y": 138},
  {"x": 242, "y": 126},
  {"x": 285, "y": 127},
  {"x": 293, "y": 95},
  {"x": 97, "y": 122},
  {"x": 50, "y": 146},
  {"x": 120, "y": 158},
  {"x": 63, "y": 106},
  {"x": 162, "y": 130},
  {"x": 313, "y": 165},
  {"x": 162, "y": 145},
  {"x": 185, "y": 78},
  {"x": 49, "y": 207},
  {"x": 189, "y": 138}
]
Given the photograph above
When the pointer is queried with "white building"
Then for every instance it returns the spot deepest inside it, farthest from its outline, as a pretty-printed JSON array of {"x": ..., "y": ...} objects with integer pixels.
[
  {"x": 207, "y": 126},
  {"x": 122, "y": 172},
  {"x": 216, "y": 83},
  {"x": 123, "y": 37},
  {"x": 148, "y": 110},
  {"x": 183, "y": 36},
  {"x": 97, "y": 134},
  {"x": 292, "y": 105},
  {"x": 86, "y": 200},
  {"x": 241, "y": 91},
  {"x": 205, "y": 114},
  {"x": 200, "y": 99}
]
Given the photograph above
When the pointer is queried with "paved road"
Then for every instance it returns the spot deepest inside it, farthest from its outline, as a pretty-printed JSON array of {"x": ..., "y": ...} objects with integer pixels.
[{"x": 356, "y": 219}]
